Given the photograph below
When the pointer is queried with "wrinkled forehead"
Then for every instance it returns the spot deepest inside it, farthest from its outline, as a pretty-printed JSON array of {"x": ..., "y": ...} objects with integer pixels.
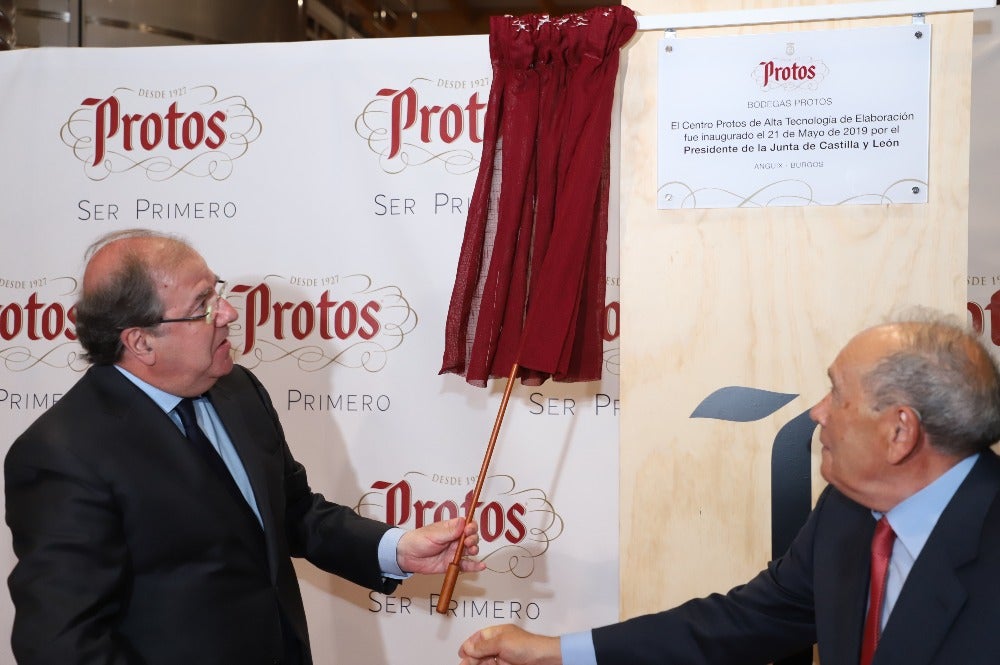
[
  {"x": 865, "y": 350},
  {"x": 187, "y": 267}
]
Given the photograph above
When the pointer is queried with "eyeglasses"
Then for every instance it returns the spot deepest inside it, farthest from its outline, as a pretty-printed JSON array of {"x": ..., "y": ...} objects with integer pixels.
[{"x": 211, "y": 306}]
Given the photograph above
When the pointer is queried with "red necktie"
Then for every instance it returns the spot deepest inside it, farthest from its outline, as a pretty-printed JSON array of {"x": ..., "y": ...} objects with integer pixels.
[{"x": 881, "y": 553}]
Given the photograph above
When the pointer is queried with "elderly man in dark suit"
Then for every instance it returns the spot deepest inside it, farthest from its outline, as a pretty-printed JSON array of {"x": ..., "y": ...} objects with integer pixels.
[
  {"x": 899, "y": 562},
  {"x": 156, "y": 507}
]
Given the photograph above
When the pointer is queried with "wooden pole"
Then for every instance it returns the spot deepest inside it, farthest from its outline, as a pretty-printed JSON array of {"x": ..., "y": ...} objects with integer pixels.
[{"x": 451, "y": 575}]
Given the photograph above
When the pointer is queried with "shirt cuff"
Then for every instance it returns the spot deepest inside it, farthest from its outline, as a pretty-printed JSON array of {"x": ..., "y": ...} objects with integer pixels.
[
  {"x": 578, "y": 648},
  {"x": 387, "y": 555}
]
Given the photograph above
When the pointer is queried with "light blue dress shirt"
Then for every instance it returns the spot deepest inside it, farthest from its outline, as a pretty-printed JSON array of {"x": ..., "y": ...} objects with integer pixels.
[
  {"x": 210, "y": 423},
  {"x": 912, "y": 520}
]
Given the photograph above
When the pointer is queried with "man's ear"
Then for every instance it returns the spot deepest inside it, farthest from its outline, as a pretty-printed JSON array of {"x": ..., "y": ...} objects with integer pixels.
[
  {"x": 138, "y": 344},
  {"x": 907, "y": 431}
]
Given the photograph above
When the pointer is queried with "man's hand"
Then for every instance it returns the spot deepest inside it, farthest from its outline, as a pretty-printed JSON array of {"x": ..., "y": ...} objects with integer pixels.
[
  {"x": 431, "y": 548},
  {"x": 509, "y": 645}
]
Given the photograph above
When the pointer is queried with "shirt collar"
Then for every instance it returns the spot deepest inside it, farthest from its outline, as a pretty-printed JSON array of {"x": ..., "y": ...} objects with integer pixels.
[
  {"x": 914, "y": 518},
  {"x": 163, "y": 399}
]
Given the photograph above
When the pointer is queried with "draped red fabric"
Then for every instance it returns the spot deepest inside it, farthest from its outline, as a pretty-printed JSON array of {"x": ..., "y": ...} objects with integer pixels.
[{"x": 530, "y": 283}]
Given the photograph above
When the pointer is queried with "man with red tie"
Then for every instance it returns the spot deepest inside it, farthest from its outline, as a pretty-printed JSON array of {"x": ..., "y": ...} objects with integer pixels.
[{"x": 898, "y": 563}]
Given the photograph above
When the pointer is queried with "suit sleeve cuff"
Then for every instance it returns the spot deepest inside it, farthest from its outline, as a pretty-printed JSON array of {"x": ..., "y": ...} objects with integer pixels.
[
  {"x": 387, "y": 555},
  {"x": 578, "y": 649}
]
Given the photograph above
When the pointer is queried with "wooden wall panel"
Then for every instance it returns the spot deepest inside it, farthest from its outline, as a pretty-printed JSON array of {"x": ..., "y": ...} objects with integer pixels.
[{"x": 760, "y": 298}]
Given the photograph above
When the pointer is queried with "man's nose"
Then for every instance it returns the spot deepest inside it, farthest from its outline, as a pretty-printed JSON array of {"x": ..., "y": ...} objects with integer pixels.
[
  {"x": 819, "y": 410},
  {"x": 226, "y": 314}
]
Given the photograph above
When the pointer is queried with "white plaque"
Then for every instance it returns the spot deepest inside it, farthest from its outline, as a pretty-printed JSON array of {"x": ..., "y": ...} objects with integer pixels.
[{"x": 826, "y": 117}]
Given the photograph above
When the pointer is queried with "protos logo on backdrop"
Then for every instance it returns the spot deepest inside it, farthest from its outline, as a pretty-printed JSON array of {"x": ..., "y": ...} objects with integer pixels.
[
  {"x": 37, "y": 324},
  {"x": 162, "y": 133},
  {"x": 431, "y": 121},
  {"x": 516, "y": 525},
  {"x": 318, "y": 321},
  {"x": 343, "y": 320}
]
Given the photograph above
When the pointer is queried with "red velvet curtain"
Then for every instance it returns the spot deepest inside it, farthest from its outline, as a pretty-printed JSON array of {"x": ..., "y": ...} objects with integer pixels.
[{"x": 530, "y": 284}]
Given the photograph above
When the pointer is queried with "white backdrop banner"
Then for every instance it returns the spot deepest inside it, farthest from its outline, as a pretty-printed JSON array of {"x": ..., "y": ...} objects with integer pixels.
[
  {"x": 984, "y": 195},
  {"x": 328, "y": 182}
]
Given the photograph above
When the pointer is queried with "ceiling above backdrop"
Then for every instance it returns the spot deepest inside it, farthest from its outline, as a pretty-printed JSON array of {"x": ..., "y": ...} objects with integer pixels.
[
  {"x": 419, "y": 18},
  {"x": 110, "y": 23}
]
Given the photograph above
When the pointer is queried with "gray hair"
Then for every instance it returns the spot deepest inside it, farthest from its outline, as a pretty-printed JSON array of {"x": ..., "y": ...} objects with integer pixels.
[{"x": 951, "y": 380}]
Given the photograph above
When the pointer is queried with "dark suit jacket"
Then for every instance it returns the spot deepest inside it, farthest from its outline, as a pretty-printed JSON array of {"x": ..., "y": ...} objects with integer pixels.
[
  {"x": 131, "y": 551},
  {"x": 948, "y": 612}
]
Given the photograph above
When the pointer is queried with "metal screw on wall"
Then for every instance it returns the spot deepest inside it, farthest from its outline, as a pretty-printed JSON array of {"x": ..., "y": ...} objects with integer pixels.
[{"x": 7, "y": 35}]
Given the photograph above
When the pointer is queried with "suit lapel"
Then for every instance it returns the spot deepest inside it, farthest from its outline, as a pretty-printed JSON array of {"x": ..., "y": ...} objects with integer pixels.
[
  {"x": 850, "y": 588},
  {"x": 934, "y": 593},
  {"x": 153, "y": 429},
  {"x": 254, "y": 459},
  {"x": 145, "y": 422}
]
